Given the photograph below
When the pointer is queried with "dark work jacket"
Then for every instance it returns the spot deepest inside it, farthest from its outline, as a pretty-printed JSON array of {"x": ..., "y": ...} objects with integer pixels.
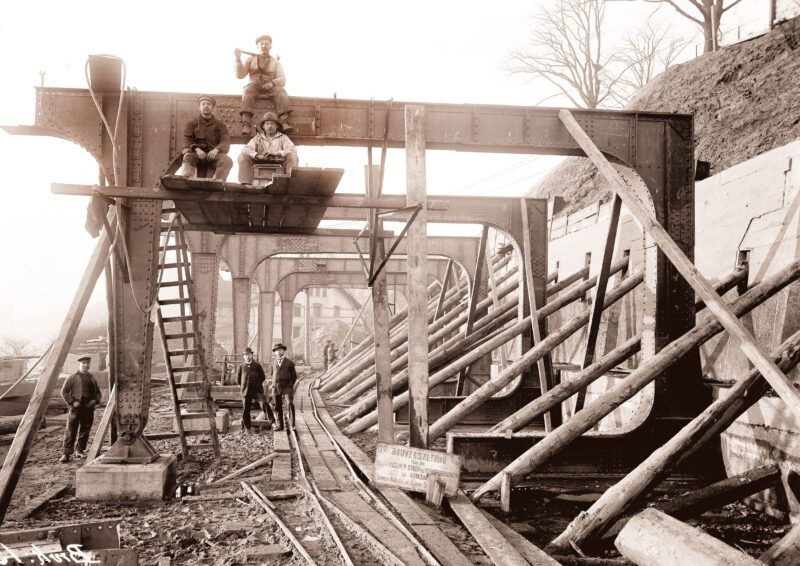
[
  {"x": 251, "y": 379},
  {"x": 206, "y": 134},
  {"x": 283, "y": 377},
  {"x": 71, "y": 391}
]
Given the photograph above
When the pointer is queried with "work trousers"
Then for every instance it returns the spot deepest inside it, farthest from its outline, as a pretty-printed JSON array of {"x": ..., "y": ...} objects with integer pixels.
[
  {"x": 255, "y": 91},
  {"x": 80, "y": 418},
  {"x": 246, "y": 165},
  {"x": 261, "y": 402},
  {"x": 287, "y": 398},
  {"x": 222, "y": 164}
]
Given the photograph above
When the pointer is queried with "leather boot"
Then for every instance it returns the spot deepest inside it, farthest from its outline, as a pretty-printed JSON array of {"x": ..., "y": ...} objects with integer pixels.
[
  {"x": 247, "y": 121},
  {"x": 286, "y": 127}
]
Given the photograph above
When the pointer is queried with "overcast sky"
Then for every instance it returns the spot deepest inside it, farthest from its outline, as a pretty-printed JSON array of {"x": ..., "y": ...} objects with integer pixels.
[{"x": 416, "y": 50}]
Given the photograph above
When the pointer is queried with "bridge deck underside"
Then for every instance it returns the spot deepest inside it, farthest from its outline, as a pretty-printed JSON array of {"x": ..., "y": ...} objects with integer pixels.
[{"x": 232, "y": 217}]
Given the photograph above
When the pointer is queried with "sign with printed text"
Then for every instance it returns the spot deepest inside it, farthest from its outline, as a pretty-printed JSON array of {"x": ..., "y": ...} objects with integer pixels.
[{"x": 409, "y": 468}]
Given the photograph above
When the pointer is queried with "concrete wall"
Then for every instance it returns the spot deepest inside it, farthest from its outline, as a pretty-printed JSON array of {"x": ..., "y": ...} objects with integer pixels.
[
  {"x": 571, "y": 238},
  {"x": 754, "y": 206}
]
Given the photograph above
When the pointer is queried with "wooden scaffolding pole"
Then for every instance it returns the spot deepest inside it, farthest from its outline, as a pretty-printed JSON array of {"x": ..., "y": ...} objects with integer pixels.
[
  {"x": 473, "y": 300},
  {"x": 26, "y": 433},
  {"x": 783, "y": 385}
]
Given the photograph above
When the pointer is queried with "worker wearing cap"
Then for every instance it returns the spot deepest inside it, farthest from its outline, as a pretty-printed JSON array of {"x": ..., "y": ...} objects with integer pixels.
[
  {"x": 206, "y": 140},
  {"x": 266, "y": 81},
  {"x": 284, "y": 378},
  {"x": 269, "y": 145},
  {"x": 250, "y": 378},
  {"x": 82, "y": 394}
]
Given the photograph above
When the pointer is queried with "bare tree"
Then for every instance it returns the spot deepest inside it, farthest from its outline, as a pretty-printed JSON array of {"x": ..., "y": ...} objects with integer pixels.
[
  {"x": 705, "y": 13},
  {"x": 646, "y": 53},
  {"x": 14, "y": 346},
  {"x": 566, "y": 48}
]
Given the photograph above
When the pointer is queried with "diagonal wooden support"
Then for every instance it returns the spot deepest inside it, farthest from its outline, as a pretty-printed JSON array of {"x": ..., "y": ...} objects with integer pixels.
[
  {"x": 584, "y": 420},
  {"x": 783, "y": 385},
  {"x": 473, "y": 300},
  {"x": 26, "y": 433},
  {"x": 102, "y": 428},
  {"x": 448, "y": 271},
  {"x": 599, "y": 294},
  {"x": 543, "y": 363}
]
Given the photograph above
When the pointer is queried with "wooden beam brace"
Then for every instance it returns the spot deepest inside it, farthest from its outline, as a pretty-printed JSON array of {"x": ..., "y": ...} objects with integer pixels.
[
  {"x": 477, "y": 275},
  {"x": 584, "y": 420},
  {"x": 783, "y": 385},
  {"x": 448, "y": 272},
  {"x": 26, "y": 433},
  {"x": 599, "y": 294}
]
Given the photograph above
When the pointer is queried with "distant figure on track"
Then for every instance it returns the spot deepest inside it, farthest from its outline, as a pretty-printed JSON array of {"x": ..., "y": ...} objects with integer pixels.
[
  {"x": 325, "y": 354},
  {"x": 82, "y": 394},
  {"x": 284, "y": 378}
]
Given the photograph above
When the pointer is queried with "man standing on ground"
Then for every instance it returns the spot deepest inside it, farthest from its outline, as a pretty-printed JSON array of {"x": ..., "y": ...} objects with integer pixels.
[
  {"x": 331, "y": 353},
  {"x": 325, "y": 354},
  {"x": 82, "y": 394},
  {"x": 266, "y": 81},
  {"x": 206, "y": 140},
  {"x": 284, "y": 378},
  {"x": 250, "y": 378}
]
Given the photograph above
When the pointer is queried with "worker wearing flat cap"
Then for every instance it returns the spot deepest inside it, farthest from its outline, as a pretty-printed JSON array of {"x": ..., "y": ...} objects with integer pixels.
[
  {"x": 267, "y": 81},
  {"x": 206, "y": 140},
  {"x": 82, "y": 394},
  {"x": 284, "y": 378},
  {"x": 250, "y": 378},
  {"x": 269, "y": 145}
]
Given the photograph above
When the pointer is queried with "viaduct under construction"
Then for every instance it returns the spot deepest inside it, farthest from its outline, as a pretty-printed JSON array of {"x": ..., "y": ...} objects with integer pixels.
[{"x": 515, "y": 369}]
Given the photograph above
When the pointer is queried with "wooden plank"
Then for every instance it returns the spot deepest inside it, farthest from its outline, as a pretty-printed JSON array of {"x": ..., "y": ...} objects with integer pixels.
[
  {"x": 656, "y": 539},
  {"x": 103, "y": 426},
  {"x": 532, "y": 553},
  {"x": 282, "y": 468},
  {"x": 499, "y": 550},
  {"x": 252, "y": 466},
  {"x": 782, "y": 385},
  {"x": 26, "y": 433},
  {"x": 38, "y": 502},
  {"x": 417, "y": 256}
]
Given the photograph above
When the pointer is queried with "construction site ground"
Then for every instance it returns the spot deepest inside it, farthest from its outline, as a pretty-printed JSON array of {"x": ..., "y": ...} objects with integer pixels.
[{"x": 223, "y": 527}]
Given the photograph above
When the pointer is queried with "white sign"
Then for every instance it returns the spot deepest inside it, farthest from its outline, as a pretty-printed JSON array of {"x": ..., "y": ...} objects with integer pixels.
[{"x": 409, "y": 468}]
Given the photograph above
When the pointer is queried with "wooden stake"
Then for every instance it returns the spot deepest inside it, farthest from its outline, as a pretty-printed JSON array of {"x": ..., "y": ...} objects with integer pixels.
[
  {"x": 505, "y": 493},
  {"x": 783, "y": 385},
  {"x": 252, "y": 466},
  {"x": 477, "y": 275},
  {"x": 26, "y": 434},
  {"x": 103, "y": 426},
  {"x": 434, "y": 490},
  {"x": 417, "y": 277}
]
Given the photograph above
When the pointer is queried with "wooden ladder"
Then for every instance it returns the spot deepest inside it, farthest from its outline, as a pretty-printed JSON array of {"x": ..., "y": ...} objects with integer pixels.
[{"x": 180, "y": 337}]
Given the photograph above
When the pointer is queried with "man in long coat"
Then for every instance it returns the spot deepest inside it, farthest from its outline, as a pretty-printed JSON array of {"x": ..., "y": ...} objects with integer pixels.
[
  {"x": 284, "y": 378},
  {"x": 82, "y": 394},
  {"x": 250, "y": 378}
]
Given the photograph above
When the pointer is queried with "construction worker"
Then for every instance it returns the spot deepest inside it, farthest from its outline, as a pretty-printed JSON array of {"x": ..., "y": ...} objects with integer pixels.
[
  {"x": 266, "y": 81},
  {"x": 269, "y": 145},
  {"x": 331, "y": 353},
  {"x": 284, "y": 378},
  {"x": 206, "y": 140},
  {"x": 82, "y": 394},
  {"x": 250, "y": 378},
  {"x": 325, "y": 354}
]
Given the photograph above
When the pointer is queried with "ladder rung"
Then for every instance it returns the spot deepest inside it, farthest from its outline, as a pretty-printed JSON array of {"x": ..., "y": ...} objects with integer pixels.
[
  {"x": 181, "y": 335},
  {"x": 193, "y": 416},
  {"x": 183, "y": 352},
  {"x": 188, "y": 384},
  {"x": 168, "y": 210},
  {"x": 196, "y": 432},
  {"x": 173, "y": 301},
  {"x": 186, "y": 401},
  {"x": 185, "y": 368},
  {"x": 200, "y": 446},
  {"x": 169, "y": 265},
  {"x": 169, "y": 248},
  {"x": 171, "y": 283},
  {"x": 176, "y": 319}
]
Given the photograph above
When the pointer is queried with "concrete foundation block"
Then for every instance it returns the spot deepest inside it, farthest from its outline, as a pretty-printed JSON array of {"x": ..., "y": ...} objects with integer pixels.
[
  {"x": 222, "y": 417},
  {"x": 97, "y": 481}
]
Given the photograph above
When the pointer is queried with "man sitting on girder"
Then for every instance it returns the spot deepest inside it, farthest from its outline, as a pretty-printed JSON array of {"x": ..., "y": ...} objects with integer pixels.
[
  {"x": 206, "y": 140},
  {"x": 266, "y": 81},
  {"x": 270, "y": 146}
]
